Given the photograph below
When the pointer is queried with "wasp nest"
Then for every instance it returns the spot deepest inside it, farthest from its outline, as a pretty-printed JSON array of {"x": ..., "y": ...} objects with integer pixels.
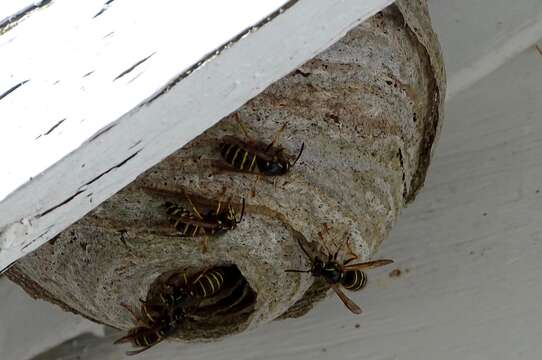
[{"x": 368, "y": 111}]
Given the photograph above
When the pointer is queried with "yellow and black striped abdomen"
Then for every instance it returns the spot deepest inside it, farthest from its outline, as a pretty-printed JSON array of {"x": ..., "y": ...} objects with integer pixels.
[
  {"x": 182, "y": 220},
  {"x": 354, "y": 280},
  {"x": 153, "y": 312},
  {"x": 238, "y": 157},
  {"x": 146, "y": 338},
  {"x": 209, "y": 283},
  {"x": 176, "y": 210}
]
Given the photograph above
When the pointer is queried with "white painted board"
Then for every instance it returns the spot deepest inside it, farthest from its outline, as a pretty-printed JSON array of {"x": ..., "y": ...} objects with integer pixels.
[
  {"x": 66, "y": 77},
  {"x": 109, "y": 118}
]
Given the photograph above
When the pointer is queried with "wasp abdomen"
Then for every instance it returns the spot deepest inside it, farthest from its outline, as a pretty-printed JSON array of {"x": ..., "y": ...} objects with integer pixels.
[
  {"x": 147, "y": 338},
  {"x": 209, "y": 283},
  {"x": 354, "y": 280},
  {"x": 176, "y": 210},
  {"x": 153, "y": 312},
  {"x": 183, "y": 220},
  {"x": 238, "y": 157}
]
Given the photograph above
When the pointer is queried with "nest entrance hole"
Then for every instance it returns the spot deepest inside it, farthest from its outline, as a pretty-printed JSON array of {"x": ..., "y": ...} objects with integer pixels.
[{"x": 216, "y": 315}]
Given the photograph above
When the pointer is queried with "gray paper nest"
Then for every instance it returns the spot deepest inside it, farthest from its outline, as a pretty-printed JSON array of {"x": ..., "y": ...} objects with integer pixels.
[{"x": 368, "y": 110}]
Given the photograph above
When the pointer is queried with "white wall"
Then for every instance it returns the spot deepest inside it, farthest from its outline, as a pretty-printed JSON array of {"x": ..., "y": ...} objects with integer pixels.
[
  {"x": 472, "y": 243},
  {"x": 479, "y": 36},
  {"x": 30, "y": 326}
]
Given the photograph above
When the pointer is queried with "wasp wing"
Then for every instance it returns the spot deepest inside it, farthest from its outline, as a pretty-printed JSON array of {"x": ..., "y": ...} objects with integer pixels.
[
  {"x": 368, "y": 265},
  {"x": 352, "y": 306},
  {"x": 197, "y": 222},
  {"x": 181, "y": 195},
  {"x": 309, "y": 248}
]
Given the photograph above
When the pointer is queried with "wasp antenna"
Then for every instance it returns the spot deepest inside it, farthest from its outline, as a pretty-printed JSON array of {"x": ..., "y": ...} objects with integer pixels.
[
  {"x": 297, "y": 271},
  {"x": 242, "y": 211},
  {"x": 298, "y": 155},
  {"x": 303, "y": 248}
]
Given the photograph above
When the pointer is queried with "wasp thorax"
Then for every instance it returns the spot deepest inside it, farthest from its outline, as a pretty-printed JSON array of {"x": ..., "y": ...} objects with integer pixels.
[{"x": 331, "y": 272}]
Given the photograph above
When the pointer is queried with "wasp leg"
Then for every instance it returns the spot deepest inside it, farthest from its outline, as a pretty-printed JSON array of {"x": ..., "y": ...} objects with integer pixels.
[
  {"x": 276, "y": 137},
  {"x": 298, "y": 155},
  {"x": 242, "y": 211},
  {"x": 219, "y": 205},
  {"x": 217, "y": 211},
  {"x": 253, "y": 189},
  {"x": 350, "y": 252},
  {"x": 204, "y": 242},
  {"x": 194, "y": 207},
  {"x": 242, "y": 127},
  {"x": 198, "y": 278}
]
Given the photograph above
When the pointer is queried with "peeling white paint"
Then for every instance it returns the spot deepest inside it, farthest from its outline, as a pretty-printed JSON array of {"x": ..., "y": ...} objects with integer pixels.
[
  {"x": 9, "y": 8},
  {"x": 76, "y": 68},
  {"x": 10, "y": 233}
]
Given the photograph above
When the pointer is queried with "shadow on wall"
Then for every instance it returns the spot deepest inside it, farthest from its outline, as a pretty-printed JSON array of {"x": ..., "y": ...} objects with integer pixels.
[{"x": 86, "y": 346}]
